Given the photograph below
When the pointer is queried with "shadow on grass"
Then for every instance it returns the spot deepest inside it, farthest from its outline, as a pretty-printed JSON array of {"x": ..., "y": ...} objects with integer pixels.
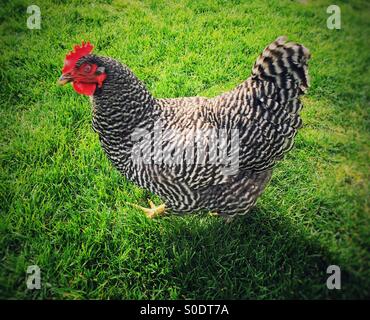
[{"x": 261, "y": 256}]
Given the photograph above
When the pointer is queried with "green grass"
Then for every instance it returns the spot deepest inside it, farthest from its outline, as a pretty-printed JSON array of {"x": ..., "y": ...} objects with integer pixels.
[{"x": 63, "y": 205}]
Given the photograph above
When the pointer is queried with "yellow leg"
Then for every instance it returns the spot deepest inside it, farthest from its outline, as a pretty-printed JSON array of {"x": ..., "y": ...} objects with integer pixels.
[
  {"x": 213, "y": 214},
  {"x": 216, "y": 214},
  {"x": 153, "y": 211}
]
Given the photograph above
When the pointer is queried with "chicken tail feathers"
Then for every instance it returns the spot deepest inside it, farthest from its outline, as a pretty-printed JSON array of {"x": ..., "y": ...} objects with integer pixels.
[
  {"x": 279, "y": 77},
  {"x": 284, "y": 64}
]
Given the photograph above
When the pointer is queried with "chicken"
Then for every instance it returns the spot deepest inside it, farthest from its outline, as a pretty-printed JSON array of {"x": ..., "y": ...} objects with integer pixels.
[{"x": 196, "y": 153}]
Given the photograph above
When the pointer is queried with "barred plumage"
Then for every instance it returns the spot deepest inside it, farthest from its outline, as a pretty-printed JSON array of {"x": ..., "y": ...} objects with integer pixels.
[{"x": 264, "y": 110}]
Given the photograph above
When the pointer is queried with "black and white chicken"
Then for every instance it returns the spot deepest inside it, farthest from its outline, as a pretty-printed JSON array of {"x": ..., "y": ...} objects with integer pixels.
[{"x": 196, "y": 153}]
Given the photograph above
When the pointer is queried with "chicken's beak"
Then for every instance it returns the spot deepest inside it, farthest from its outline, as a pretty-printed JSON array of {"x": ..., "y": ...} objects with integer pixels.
[{"x": 65, "y": 78}]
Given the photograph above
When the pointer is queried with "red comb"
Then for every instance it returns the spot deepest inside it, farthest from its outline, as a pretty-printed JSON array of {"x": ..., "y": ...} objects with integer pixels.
[{"x": 73, "y": 56}]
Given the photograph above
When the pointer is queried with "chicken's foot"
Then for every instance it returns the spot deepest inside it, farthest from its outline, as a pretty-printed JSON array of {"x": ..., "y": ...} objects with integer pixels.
[
  {"x": 213, "y": 214},
  {"x": 153, "y": 211}
]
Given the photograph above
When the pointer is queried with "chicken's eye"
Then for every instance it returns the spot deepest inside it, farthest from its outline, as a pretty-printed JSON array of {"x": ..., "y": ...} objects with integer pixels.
[{"x": 87, "y": 68}]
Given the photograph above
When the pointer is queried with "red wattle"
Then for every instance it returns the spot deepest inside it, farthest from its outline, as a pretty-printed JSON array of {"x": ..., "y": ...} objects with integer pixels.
[{"x": 84, "y": 88}]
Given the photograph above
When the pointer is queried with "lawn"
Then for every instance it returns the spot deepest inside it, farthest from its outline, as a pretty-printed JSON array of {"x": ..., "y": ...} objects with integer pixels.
[{"x": 62, "y": 203}]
